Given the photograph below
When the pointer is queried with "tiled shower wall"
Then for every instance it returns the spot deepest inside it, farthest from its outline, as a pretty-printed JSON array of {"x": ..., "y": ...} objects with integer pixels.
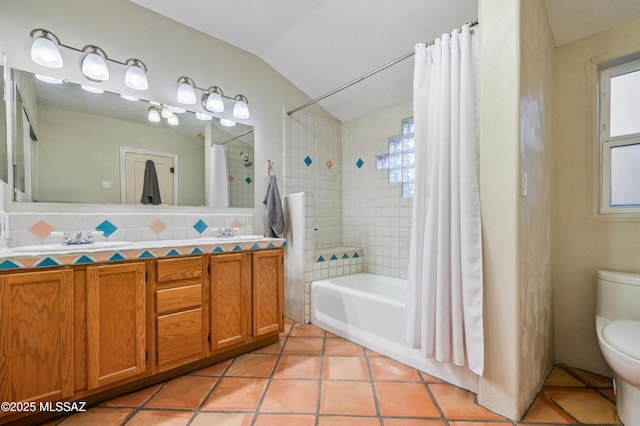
[
  {"x": 313, "y": 165},
  {"x": 375, "y": 216}
]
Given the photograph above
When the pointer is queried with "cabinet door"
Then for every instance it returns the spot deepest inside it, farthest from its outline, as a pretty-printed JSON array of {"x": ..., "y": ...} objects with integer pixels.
[
  {"x": 116, "y": 321},
  {"x": 36, "y": 336},
  {"x": 268, "y": 292},
  {"x": 230, "y": 298}
]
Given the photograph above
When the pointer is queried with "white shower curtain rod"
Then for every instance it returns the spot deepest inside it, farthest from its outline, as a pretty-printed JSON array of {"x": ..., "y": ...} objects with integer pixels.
[{"x": 369, "y": 74}]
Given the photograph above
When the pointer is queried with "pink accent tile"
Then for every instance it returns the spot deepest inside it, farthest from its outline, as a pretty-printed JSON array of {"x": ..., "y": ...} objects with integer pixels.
[
  {"x": 29, "y": 262},
  {"x": 158, "y": 226},
  {"x": 329, "y": 164},
  {"x": 236, "y": 224},
  {"x": 230, "y": 178},
  {"x": 41, "y": 229}
]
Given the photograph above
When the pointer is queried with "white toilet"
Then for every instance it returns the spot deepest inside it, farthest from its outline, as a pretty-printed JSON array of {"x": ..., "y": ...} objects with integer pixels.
[{"x": 618, "y": 328}]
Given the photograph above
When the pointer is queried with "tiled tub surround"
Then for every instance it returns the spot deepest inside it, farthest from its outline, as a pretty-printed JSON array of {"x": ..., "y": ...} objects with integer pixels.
[{"x": 27, "y": 229}]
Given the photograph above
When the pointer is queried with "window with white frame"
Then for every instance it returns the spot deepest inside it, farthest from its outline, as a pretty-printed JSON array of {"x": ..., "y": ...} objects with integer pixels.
[{"x": 620, "y": 139}]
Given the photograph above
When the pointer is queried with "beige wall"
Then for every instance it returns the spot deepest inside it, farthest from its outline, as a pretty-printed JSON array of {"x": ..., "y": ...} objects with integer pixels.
[
  {"x": 169, "y": 50},
  {"x": 515, "y": 84},
  {"x": 536, "y": 209},
  {"x": 584, "y": 241}
]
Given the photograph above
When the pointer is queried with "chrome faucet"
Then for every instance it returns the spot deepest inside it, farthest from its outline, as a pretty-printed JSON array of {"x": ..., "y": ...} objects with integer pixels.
[
  {"x": 225, "y": 232},
  {"x": 67, "y": 239}
]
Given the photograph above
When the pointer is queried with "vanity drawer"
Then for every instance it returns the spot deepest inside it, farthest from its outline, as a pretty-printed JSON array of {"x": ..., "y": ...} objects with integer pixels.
[
  {"x": 179, "y": 269},
  {"x": 178, "y": 298}
]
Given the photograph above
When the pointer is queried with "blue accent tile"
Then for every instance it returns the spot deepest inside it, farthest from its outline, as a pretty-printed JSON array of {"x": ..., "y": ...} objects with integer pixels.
[
  {"x": 334, "y": 257},
  {"x": 284, "y": 244},
  {"x": 320, "y": 259},
  {"x": 47, "y": 261},
  {"x": 107, "y": 228},
  {"x": 308, "y": 161},
  {"x": 218, "y": 250},
  {"x": 116, "y": 256},
  {"x": 355, "y": 255},
  {"x": 359, "y": 163},
  {"x": 345, "y": 256},
  {"x": 237, "y": 248},
  {"x": 84, "y": 259},
  {"x": 248, "y": 180},
  {"x": 196, "y": 251},
  {"x": 173, "y": 252},
  {"x": 7, "y": 264},
  {"x": 146, "y": 255},
  {"x": 200, "y": 226},
  {"x": 255, "y": 247},
  {"x": 271, "y": 245}
]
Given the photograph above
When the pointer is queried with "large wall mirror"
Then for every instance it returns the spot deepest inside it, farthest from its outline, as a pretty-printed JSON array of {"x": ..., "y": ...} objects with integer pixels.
[
  {"x": 4, "y": 163},
  {"x": 71, "y": 145}
]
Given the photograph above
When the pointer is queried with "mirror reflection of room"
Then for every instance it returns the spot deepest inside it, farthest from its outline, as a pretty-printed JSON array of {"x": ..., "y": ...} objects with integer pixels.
[{"x": 97, "y": 144}]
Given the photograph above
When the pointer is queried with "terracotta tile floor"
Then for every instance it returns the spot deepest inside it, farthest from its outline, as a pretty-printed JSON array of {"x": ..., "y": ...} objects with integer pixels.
[{"x": 315, "y": 378}]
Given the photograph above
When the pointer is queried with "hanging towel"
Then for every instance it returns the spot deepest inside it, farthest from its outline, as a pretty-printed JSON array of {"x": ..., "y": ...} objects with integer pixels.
[
  {"x": 218, "y": 178},
  {"x": 150, "y": 187},
  {"x": 273, "y": 215}
]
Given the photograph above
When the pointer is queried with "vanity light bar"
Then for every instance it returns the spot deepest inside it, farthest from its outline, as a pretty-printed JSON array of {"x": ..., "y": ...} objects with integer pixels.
[
  {"x": 45, "y": 52},
  {"x": 212, "y": 98}
]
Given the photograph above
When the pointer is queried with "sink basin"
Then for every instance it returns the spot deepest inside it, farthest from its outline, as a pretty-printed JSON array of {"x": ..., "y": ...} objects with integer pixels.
[
  {"x": 236, "y": 239},
  {"x": 59, "y": 248}
]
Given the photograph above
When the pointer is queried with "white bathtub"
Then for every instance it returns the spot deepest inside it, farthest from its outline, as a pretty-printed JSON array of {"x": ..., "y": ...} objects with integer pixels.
[{"x": 369, "y": 310}]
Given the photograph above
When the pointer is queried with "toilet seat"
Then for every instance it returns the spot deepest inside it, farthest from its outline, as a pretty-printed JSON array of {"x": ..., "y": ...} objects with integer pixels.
[{"x": 623, "y": 335}]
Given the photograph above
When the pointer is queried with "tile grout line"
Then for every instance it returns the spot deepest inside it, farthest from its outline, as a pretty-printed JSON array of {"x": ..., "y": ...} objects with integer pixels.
[
  {"x": 372, "y": 383},
  {"x": 270, "y": 378}
]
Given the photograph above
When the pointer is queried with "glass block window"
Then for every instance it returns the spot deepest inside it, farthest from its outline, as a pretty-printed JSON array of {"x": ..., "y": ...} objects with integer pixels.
[{"x": 401, "y": 159}]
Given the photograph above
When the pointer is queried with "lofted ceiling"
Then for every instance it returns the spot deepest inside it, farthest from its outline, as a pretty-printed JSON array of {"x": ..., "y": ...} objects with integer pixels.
[{"x": 319, "y": 45}]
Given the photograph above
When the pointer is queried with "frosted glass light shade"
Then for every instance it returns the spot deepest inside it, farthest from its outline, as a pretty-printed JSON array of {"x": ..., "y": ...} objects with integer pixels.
[
  {"x": 227, "y": 123},
  {"x": 204, "y": 117},
  {"x": 186, "y": 94},
  {"x": 45, "y": 52},
  {"x": 166, "y": 112},
  {"x": 136, "y": 78},
  {"x": 173, "y": 120},
  {"x": 214, "y": 102},
  {"x": 94, "y": 67},
  {"x": 50, "y": 80},
  {"x": 154, "y": 115},
  {"x": 91, "y": 89},
  {"x": 241, "y": 109}
]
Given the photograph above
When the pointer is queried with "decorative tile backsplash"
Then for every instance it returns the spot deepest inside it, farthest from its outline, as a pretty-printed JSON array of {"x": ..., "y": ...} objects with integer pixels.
[{"x": 38, "y": 228}]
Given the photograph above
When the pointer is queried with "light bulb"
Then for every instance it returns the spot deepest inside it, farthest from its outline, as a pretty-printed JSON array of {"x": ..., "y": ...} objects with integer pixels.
[
  {"x": 45, "y": 52},
  {"x": 166, "y": 112}
]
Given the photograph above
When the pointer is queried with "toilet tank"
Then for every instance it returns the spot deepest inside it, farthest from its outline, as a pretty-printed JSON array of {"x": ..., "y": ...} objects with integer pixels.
[{"x": 618, "y": 295}]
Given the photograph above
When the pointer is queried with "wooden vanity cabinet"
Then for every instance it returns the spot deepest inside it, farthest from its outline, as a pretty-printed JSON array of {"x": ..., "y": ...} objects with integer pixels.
[
  {"x": 179, "y": 323},
  {"x": 36, "y": 336},
  {"x": 116, "y": 323},
  {"x": 268, "y": 292},
  {"x": 230, "y": 291}
]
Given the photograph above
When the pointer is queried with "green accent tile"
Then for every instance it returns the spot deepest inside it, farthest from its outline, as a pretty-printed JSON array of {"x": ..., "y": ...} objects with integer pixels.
[
  {"x": 7, "y": 264},
  {"x": 116, "y": 256},
  {"x": 146, "y": 255},
  {"x": 47, "y": 261},
  {"x": 84, "y": 259}
]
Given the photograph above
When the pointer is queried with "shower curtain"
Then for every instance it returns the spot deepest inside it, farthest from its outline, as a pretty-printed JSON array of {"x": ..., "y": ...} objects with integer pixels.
[
  {"x": 218, "y": 195},
  {"x": 445, "y": 260}
]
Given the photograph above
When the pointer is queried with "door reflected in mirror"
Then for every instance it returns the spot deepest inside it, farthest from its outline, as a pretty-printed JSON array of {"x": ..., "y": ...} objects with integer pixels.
[
  {"x": 4, "y": 163},
  {"x": 70, "y": 146}
]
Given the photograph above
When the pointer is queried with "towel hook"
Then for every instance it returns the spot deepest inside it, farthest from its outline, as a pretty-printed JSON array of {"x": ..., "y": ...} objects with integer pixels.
[{"x": 270, "y": 164}]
